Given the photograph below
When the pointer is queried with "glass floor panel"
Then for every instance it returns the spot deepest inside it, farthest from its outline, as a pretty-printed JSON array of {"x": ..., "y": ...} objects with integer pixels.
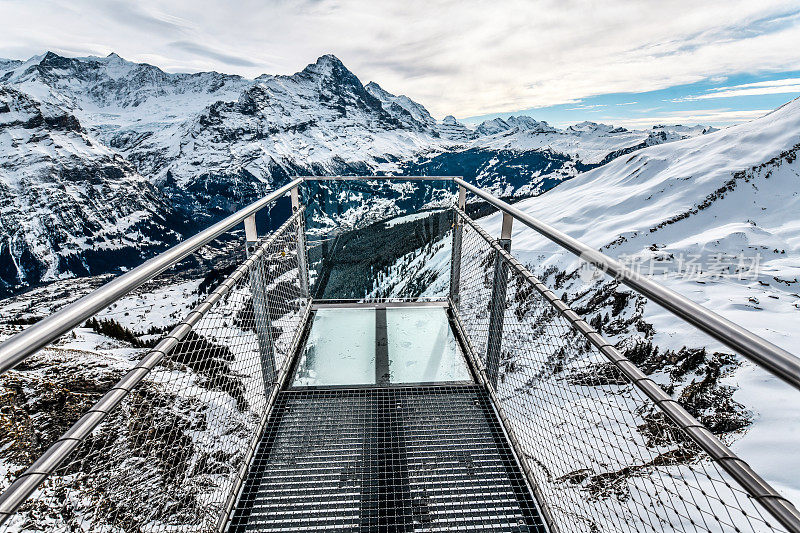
[
  {"x": 369, "y": 346},
  {"x": 340, "y": 349},
  {"x": 422, "y": 347}
]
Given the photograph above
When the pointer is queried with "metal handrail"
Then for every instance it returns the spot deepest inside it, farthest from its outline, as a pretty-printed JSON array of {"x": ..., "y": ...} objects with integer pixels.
[
  {"x": 27, "y": 482},
  {"x": 772, "y": 358},
  {"x": 27, "y": 342},
  {"x": 778, "y": 506},
  {"x": 762, "y": 352}
]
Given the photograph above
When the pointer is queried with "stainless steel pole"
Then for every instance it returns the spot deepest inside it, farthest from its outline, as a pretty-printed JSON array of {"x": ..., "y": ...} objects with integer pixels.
[
  {"x": 258, "y": 293},
  {"x": 497, "y": 306},
  {"x": 302, "y": 260},
  {"x": 455, "y": 257}
]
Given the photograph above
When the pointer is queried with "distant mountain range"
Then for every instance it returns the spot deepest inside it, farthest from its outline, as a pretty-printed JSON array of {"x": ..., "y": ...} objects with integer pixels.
[{"x": 104, "y": 161}]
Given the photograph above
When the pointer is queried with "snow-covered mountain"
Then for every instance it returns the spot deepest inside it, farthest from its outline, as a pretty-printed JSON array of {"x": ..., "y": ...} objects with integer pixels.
[
  {"x": 452, "y": 129},
  {"x": 520, "y": 156},
  {"x": 109, "y": 92},
  {"x": 67, "y": 202},
  {"x": 716, "y": 218},
  {"x": 321, "y": 120},
  {"x": 208, "y": 143},
  {"x": 190, "y": 127}
]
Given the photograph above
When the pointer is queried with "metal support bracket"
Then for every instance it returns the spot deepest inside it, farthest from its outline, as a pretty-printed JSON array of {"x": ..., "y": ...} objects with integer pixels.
[
  {"x": 302, "y": 260},
  {"x": 497, "y": 305},
  {"x": 260, "y": 303},
  {"x": 455, "y": 257}
]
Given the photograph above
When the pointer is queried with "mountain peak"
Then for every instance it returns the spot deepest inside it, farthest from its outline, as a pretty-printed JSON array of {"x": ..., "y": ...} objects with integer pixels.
[
  {"x": 329, "y": 59},
  {"x": 450, "y": 128},
  {"x": 379, "y": 92},
  {"x": 593, "y": 127},
  {"x": 327, "y": 63},
  {"x": 491, "y": 127},
  {"x": 333, "y": 78},
  {"x": 51, "y": 59},
  {"x": 328, "y": 67}
]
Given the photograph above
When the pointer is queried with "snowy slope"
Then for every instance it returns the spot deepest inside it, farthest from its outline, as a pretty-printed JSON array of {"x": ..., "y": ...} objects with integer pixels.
[
  {"x": 67, "y": 202},
  {"x": 520, "y": 156},
  {"x": 400, "y": 105},
  {"x": 735, "y": 192},
  {"x": 732, "y": 191}
]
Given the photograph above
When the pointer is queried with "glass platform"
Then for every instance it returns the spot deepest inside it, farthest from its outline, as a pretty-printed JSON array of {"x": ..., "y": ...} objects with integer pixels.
[{"x": 381, "y": 346}]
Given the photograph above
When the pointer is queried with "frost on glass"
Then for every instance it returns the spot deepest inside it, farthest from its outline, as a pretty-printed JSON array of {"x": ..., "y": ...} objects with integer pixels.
[
  {"x": 340, "y": 349},
  {"x": 422, "y": 347}
]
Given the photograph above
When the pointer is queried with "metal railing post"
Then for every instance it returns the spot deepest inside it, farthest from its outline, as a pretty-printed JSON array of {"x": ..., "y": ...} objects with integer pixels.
[
  {"x": 455, "y": 257},
  {"x": 497, "y": 305},
  {"x": 260, "y": 304},
  {"x": 302, "y": 261}
]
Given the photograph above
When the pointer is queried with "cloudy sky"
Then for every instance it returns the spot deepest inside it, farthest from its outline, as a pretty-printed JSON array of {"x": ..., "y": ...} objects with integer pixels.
[{"x": 618, "y": 61}]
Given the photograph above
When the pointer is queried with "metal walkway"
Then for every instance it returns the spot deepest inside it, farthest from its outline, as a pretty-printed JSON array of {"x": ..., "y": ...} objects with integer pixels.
[
  {"x": 427, "y": 458},
  {"x": 244, "y": 417}
]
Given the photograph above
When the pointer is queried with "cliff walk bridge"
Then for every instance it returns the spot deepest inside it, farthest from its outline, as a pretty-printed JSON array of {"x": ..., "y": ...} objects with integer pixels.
[{"x": 475, "y": 400}]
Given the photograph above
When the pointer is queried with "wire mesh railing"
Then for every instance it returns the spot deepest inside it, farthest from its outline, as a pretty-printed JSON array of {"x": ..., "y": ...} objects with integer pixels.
[
  {"x": 169, "y": 442},
  {"x": 166, "y": 447},
  {"x": 601, "y": 454},
  {"x": 365, "y": 235}
]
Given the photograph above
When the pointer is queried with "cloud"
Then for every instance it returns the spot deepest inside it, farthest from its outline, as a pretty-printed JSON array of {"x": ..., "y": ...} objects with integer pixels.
[
  {"x": 207, "y": 52},
  {"x": 133, "y": 14},
  {"x": 700, "y": 116},
  {"x": 784, "y": 86},
  {"x": 460, "y": 57},
  {"x": 768, "y": 83},
  {"x": 586, "y": 106}
]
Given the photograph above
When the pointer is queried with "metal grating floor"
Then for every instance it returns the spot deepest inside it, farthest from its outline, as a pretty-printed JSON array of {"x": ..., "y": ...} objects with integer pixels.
[{"x": 430, "y": 458}]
